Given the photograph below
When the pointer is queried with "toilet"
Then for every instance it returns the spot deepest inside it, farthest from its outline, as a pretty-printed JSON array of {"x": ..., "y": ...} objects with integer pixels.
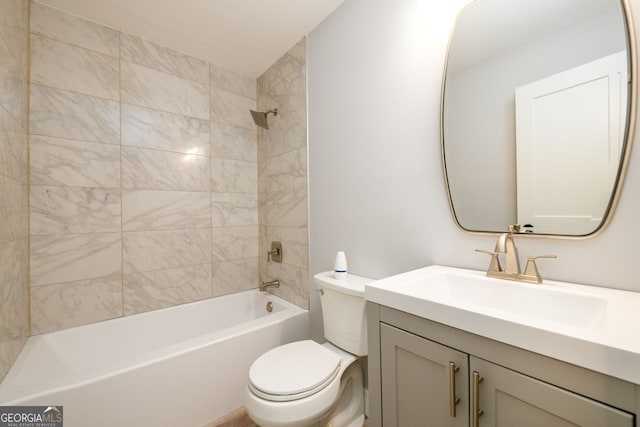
[{"x": 309, "y": 384}]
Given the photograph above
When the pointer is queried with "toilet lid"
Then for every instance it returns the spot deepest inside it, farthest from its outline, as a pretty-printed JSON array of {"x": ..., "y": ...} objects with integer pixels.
[{"x": 294, "y": 370}]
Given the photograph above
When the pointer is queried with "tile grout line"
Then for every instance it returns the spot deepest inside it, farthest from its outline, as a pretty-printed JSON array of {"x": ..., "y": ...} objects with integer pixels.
[
  {"x": 119, "y": 56},
  {"x": 121, "y": 102},
  {"x": 138, "y": 147},
  {"x": 111, "y": 187},
  {"x": 169, "y": 268},
  {"x": 28, "y": 183},
  {"x": 73, "y": 45},
  {"x": 64, "y": 138},
  {"x": 75, "y": 92},
  {"x": 211, "y": 153},
  {"x": 170, "y": 73},
  {"x": 261, "y": 161},
  {"x": 158, "y": 110},
  {"x": 116, "y": 276},
  {"x": 161, "y": 150},
  {"x": 122, "y": 311},
  {"x": 90, "y": 279}
]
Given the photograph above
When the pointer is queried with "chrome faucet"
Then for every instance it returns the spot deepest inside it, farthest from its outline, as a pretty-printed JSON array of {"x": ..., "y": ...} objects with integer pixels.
[
  {"x": 506, "y": 245},
  {"x": 272, "y": 284}
]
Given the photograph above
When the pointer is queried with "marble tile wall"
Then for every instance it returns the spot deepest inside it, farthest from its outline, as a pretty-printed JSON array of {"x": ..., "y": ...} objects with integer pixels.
[
  {"x": 282, "y": 182},
  {"x": 144, "y": 187},
  {"x": 75, "y": 164},
  {"x": 234, "y": 182},
  {"x": 14, "y": 214}
]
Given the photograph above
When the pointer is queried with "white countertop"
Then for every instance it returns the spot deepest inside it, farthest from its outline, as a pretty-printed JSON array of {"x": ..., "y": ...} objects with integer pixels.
[{"x": 593, "y": 327}]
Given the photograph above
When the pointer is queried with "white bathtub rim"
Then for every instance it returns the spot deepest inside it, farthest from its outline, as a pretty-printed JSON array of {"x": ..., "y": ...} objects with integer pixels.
[
  {"x": 169, "y": 309},
  {"x": 21, "y": 393}
]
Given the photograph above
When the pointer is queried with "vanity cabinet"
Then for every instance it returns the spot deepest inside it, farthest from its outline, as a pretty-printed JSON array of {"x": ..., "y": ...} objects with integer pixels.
[
  {"x": 422, "y": 373},
  {"x": 423, "y": 381},
  {"x": 508, "y": 398}
]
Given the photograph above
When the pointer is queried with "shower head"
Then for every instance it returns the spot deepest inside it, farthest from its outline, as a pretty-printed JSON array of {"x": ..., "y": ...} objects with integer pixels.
[{"x": 260, "y": 118}]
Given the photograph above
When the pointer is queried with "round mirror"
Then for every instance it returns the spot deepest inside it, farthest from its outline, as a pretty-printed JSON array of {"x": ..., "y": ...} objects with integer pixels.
[{"x": 536, "y": 108}]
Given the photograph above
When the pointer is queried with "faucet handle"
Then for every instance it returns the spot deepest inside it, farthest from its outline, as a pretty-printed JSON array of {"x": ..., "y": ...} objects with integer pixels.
[
  {"x": 494, "y": 265},
  {"x": 531, "y": 269},
  {"x": 275, "y": 254}
]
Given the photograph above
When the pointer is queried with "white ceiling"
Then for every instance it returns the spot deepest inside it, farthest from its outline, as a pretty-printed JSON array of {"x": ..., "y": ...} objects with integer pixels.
[{"x": 247, "y": 36}]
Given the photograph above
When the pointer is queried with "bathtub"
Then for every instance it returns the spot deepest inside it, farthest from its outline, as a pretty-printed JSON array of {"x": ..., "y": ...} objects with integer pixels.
[{"x": 178, "y": 367}]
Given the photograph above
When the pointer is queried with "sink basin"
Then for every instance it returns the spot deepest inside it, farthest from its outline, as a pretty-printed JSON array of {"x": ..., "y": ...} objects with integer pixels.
[
  {"x": 594, "y": 327},
  {"x": 473, "y": 290}
]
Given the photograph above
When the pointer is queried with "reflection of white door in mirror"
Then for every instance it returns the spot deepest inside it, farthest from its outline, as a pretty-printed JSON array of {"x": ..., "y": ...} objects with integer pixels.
[{"x": 569, "y": 136}]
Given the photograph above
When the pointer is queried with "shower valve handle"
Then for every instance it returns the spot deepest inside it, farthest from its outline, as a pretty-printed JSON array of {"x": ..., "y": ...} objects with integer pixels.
[{"x": 275, "y": 254}]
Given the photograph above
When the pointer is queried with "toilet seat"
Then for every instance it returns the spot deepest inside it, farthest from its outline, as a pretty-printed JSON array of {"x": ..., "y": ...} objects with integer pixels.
[
  {"x": 293, "y": 371},
  {"x": 304, "y": 411}
]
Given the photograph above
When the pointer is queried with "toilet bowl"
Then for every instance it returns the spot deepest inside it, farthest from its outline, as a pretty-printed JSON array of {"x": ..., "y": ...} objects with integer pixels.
[
  {"x": 307, "y": 390},
  {"x": 309, "y": 384}
]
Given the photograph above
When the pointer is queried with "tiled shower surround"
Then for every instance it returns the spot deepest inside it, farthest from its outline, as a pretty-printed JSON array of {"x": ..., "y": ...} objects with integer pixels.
[
  {"x": 282, "y": 160},
  {"x": 144, "y": 176},
  {"x": 14, "y": 215}
]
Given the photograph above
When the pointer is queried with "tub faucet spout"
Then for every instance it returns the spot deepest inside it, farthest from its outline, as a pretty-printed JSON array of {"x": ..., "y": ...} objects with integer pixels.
[{"x": 271, "y": 284}]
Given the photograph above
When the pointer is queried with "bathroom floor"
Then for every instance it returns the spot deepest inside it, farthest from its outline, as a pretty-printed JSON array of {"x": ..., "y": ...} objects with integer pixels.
[{"x": 239, "y": 418}]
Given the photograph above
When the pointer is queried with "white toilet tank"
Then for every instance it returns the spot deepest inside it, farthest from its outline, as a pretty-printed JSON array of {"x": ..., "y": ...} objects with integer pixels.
[{"x": 343, "y": 311}]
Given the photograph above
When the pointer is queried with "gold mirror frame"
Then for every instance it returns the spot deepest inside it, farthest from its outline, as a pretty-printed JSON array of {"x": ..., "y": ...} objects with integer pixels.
[{"x": 627, "y": 145}]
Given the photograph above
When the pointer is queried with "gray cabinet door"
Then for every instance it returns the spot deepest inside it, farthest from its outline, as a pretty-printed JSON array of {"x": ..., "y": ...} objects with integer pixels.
[
  {"x": 417, "y": 381},
  {"x": 509, "y": 399}
]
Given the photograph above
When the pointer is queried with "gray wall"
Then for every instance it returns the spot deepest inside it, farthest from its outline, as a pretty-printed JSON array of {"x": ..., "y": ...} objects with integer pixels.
[{"x": 375, "y": 175}]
